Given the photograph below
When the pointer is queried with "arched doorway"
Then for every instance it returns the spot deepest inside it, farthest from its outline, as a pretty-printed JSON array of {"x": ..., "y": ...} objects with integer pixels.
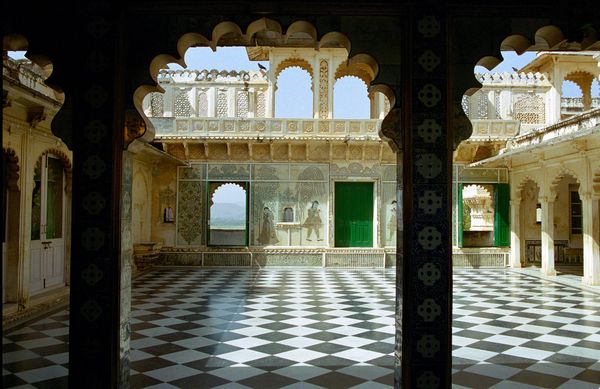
[
  {"x": 228, "y": 214},
  {"x": 422, "y": 23},
  {"x": 49, "y": 217}
]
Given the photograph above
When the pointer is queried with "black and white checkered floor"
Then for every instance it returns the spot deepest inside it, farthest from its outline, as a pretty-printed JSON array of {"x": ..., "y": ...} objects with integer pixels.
[{"x": 220, "y": 328}]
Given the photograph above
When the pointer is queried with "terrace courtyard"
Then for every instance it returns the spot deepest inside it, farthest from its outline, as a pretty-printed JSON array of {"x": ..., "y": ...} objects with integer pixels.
[{"x": 237, "y": 328}]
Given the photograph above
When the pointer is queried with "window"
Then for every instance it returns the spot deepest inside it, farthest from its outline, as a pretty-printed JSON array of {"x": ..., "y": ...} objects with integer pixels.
[
  {"x": 227, "y": 214},
  {"x": 576, "y": 215}
]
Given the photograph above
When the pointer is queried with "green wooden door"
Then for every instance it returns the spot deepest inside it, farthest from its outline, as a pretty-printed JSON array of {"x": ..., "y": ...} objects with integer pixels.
[
  {"x": 501, "y": 218},
  {"x": 459, "y": 214},
  {"x": 354, "y": 214}
]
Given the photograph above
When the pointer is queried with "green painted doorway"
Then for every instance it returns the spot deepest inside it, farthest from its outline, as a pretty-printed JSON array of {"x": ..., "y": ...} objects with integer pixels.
[{"x": 354, "y": 214}]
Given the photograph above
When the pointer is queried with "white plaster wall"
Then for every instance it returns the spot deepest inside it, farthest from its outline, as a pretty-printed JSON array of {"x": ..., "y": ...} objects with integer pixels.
[
  {"x": 165, "y": 177},
  {"x": 141, "y": 202}
]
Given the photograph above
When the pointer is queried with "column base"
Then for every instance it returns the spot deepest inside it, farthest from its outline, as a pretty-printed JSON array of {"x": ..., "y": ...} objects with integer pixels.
[
  {"x": 590, "y": 281},
  {"x": 548, "y": 272},
  {"x": 516, "y": 265}
]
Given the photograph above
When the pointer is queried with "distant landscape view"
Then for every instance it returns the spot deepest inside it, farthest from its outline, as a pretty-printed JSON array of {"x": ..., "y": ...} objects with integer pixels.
[{"x": 228, "y": 216}]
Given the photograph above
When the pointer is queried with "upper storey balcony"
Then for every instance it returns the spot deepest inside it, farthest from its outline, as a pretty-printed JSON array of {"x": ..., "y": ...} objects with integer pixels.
[
  {"x": 23, "y": 73},
  {"x": 215, "y": 104},
  {"x": 265, "y": 129}
]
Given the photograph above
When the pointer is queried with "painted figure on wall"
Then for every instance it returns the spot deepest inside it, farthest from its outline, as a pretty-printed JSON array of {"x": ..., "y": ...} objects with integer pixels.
[
  {"x": 267, "y": 235},
  {"x": 313, "y": 221},
  {"x": 393, "y": 222}
]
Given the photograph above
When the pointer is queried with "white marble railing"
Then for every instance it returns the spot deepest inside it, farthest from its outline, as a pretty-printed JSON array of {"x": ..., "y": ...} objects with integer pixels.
[
  {"x": 208, "y": 75},
  {"x": 579, "y": 123},
  {"x": 265, "y": 128},
  {"x": 577, "y": 102},
  {"x": 512, "y": 78},
  {"x": 23, "y": 73},
  {"x": 494, "y": 129}
]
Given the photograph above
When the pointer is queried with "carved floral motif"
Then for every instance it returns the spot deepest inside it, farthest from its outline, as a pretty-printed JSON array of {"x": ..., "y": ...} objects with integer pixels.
[
  {"x": 189, "y": 219},
  {"x": 323, "y": 90}
]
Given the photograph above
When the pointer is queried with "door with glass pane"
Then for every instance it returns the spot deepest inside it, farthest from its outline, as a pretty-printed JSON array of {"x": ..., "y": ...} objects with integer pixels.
[{"x": 47, "y": 247}]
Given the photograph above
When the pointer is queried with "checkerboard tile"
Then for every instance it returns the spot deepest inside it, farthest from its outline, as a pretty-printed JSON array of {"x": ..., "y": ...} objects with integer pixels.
[
  {"x": 513, "y": 330},
  {"x": 269, "y": 328},
  {"x": 240, "y": 328}
]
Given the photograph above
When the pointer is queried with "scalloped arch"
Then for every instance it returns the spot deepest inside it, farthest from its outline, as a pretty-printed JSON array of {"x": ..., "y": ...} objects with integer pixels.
[
  {"x": 17, "y": 42},
  {"x": 548, "y": 37},
  {"x": 228, "y": 33},
  {"x": 489, "y": 62},
  {"x": 301, "y": 27},
  {"x": 293, "y": 62},
  {"x": 191, "y": 39},
  {"x": 576, "y": 76},
  {"x": 62, "y": 156},
  {"x": 362, "y": 66},
  {"x": 563, "y": 173},
  {"x": 386, "y": 90},
  {"x": 12, "y": 166},
  {"x": 516, "y": 43},
  {"x": 526, "y": 180},
  {"x": 480, "y": 186},
  {"x": 336, "y": 40},
  {"x": 223, "y": 29},
  {"x": 265, "y": 25}
]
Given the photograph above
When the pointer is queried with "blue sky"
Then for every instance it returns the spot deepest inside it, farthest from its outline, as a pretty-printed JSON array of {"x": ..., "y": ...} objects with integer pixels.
[
  {"x": 512, "y": 59},
  {"x": 294, "y": 98}
]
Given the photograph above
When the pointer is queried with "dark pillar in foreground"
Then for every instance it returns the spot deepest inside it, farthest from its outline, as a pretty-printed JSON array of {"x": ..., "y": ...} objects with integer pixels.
[
  {"x": 424, "y": 263},
  {"x": 98, "y": 139}
]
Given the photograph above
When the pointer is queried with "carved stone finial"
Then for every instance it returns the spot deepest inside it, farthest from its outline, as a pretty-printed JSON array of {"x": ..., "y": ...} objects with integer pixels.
[{"x": 135, "y": 127}]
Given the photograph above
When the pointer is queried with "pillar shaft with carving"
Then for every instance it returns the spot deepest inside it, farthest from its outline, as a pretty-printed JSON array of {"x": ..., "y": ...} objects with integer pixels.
[
  {"x": 515, "y": 233},
  {"x": 548, "y": 236},
  {"x": 591, "y": 239}
]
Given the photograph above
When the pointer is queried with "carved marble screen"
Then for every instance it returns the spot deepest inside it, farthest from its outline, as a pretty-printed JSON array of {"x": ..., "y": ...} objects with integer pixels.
[
  {"x": 389, "y": 209},
  {"x": 389, "y": 214},
  {"x": 290, "y": 205},
  {"x": 190, "y": 213}
]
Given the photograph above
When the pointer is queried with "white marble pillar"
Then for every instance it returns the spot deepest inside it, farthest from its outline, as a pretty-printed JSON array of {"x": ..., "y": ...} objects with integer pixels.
[
  {"x": 548, "y": 236},
  {"x": 515, "y": 233},
  {"x": 591, "y": 239},
  {"x": 30, "y": 156}
]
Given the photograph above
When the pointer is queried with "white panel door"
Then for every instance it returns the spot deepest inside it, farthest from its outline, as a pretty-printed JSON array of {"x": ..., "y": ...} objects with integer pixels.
[
  {"x": 47, "y": 244},
  {"x": 36, "y": 274},
  {"x": 54, "y": 263}
]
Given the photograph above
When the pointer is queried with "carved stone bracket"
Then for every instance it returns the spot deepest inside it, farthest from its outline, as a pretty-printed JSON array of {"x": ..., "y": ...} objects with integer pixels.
[
  {"x": 135, "y": 127},
  {"x": 35, "y": 115},
  {"x": 391, "y": 128}
]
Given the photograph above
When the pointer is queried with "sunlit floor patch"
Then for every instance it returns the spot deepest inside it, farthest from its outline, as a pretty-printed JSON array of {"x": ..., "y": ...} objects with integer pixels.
[{"x": 233, "y": 328}]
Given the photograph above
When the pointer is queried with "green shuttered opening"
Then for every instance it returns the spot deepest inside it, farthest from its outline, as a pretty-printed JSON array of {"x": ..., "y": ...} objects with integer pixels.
[{"x": 354, "y": 214}]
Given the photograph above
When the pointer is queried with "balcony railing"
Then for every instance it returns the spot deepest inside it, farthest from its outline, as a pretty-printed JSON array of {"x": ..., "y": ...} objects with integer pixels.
[
  {"x": 589, "y": 121},
  {"x": 23, "y": 72},
  {"x": 498, "y": 129},
  {"x": 567, "y": 103},
  {"x": 265, "y": 128}
]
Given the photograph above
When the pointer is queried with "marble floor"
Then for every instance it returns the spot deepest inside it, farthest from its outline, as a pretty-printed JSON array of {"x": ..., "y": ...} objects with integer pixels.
[{"x": 235, "y": 328}]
